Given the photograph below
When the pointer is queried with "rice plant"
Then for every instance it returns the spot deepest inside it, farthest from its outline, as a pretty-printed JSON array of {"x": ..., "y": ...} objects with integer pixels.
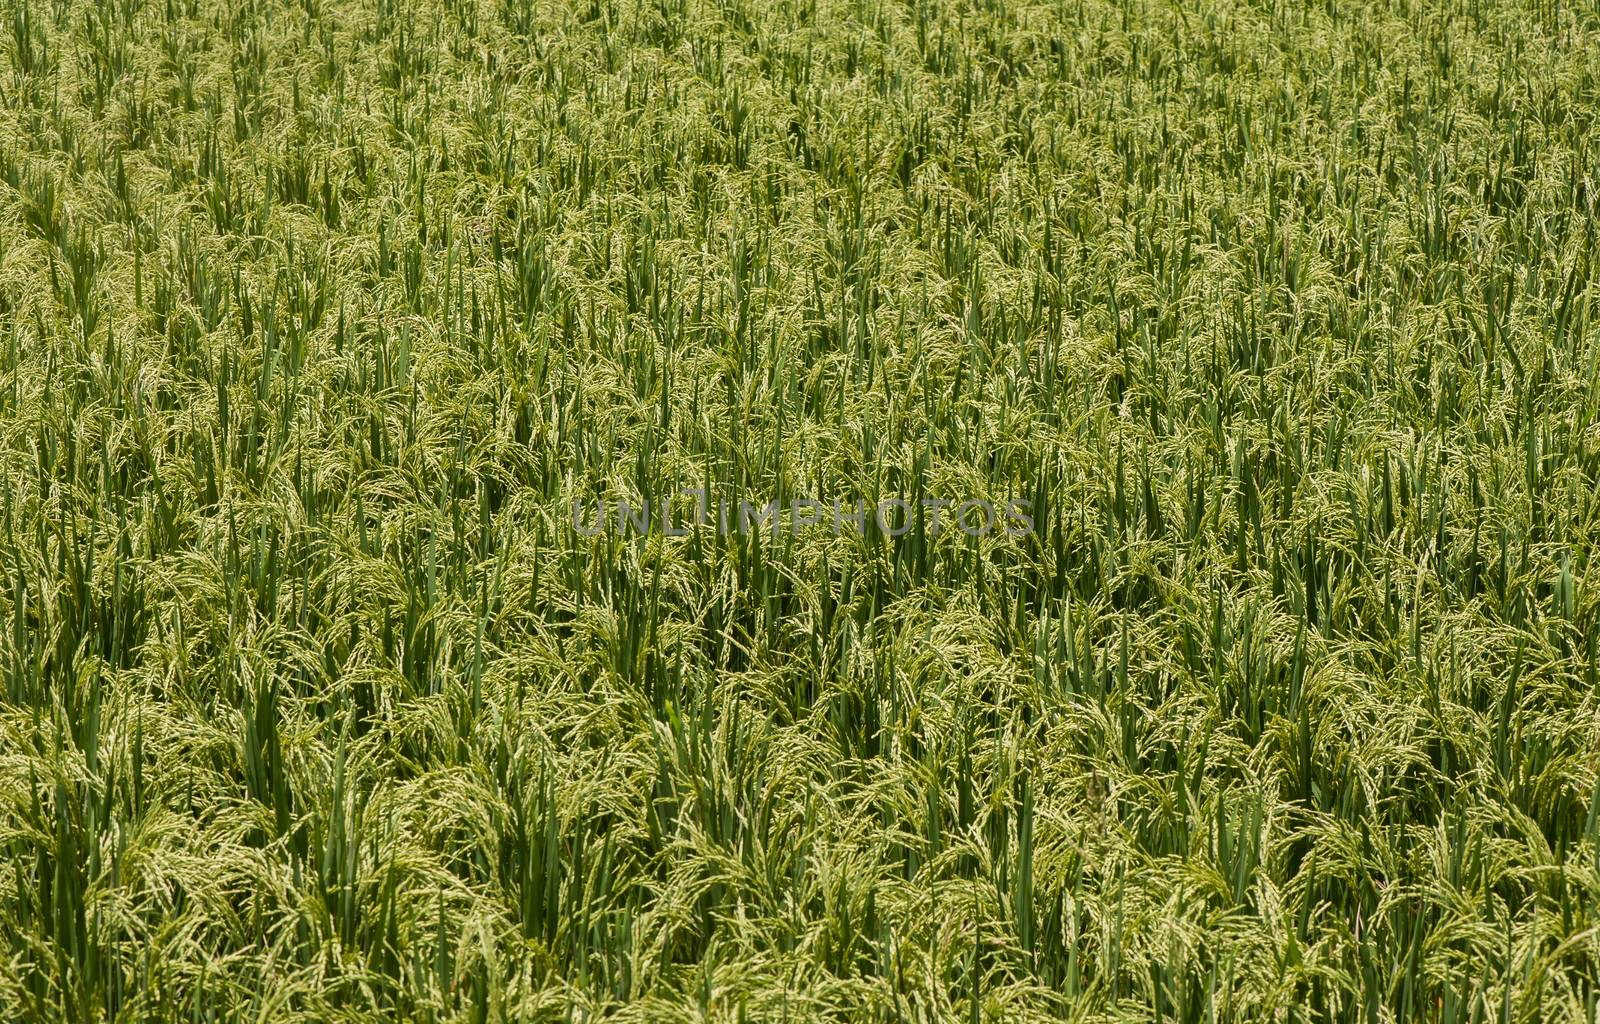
[{"x": 485, "y": 492}]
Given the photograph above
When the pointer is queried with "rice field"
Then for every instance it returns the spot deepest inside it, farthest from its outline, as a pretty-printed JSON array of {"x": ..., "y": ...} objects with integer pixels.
[{"x": 443, "y": 456}]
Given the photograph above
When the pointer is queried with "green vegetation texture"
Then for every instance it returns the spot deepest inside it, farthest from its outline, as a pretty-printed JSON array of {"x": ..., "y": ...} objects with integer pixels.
[{"x": 316, "y": 316}]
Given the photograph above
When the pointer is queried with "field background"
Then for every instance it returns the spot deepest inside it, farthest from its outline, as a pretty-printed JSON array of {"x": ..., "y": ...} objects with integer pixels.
[{"x": 315, "y": 318}]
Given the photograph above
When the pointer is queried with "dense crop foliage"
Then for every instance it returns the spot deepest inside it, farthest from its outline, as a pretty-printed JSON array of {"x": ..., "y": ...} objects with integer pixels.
[{"x": 317, "y": 316}]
